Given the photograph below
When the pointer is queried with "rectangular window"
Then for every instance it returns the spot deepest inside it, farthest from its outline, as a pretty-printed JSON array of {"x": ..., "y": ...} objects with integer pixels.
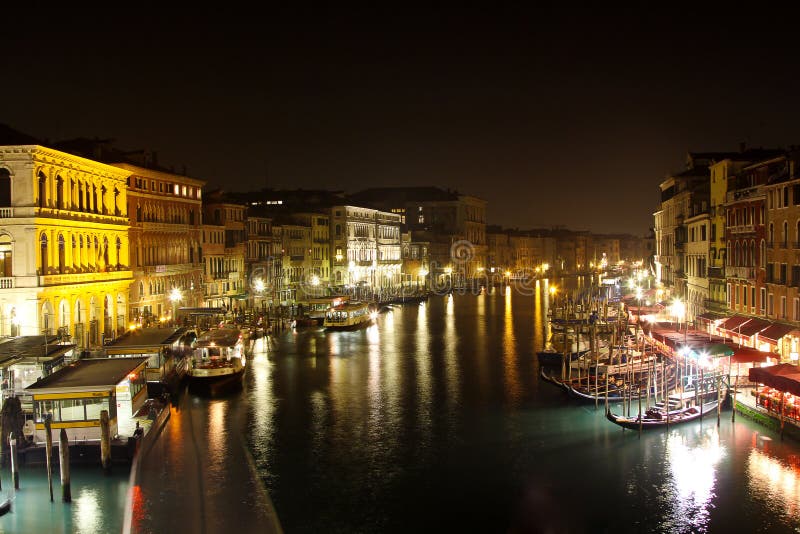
[
  {"x": 783, "y": 273},
  {"x": 796, "y": 307},
  {"x": 729, "y": 295},
  {"x": 744, "y": 296},
  {"x": 94, "y": 406},
  {"x": 783, "y": 308},
  {"x": 763, "y": 302},
  {"x": 753, "y": 298},
  {"x": 771, "y": 305}
]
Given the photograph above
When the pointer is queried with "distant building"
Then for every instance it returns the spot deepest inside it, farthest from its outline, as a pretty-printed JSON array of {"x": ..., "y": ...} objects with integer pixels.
[
  {"x": 456, "y": 223},
  {"x": 229, "y": 274},
  {"x": 366, "y": 248}
]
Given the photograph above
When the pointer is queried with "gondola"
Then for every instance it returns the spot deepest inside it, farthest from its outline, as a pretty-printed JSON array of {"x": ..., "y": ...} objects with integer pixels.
[
  {"x": 553, "y": 380},
  {"x": 552, "y": 357},
  {"x": 681, "y": 408},
  {"x": 5, "y": 505}
]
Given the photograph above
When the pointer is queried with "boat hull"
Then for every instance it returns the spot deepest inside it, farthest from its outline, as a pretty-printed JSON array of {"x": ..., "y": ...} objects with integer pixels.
[
  {"x": 555, "y": 358},
  {"x": 648, "y": 423},
  {"x": 355, "y": 326},
  {"x": 216, "y": 384}
]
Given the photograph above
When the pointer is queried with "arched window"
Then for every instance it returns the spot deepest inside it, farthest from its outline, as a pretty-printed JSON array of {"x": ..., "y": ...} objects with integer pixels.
[
  {"x": 5, "y": 188},
  {"x": 762, "y": 261},
  {"x": 785, "y": 234},
  {"x": 62, "y": 259},
  {"x": 59, "y": 192},
  {"x": 105, "y": 252},
  {"x": 141, "y": 290},
  {"x": 119, "y": 251},
  {"x": 6, "y": 269},
  {"x": 771, "y": 234},
  {"x": 43, "y": 254},
  {"x": 42, "y": 190},
  {"x": 752, "y": 262}
]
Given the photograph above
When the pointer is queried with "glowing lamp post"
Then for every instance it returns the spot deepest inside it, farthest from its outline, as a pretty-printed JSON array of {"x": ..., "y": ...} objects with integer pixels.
[
  {"x": 422, "y": 273},
  {"x": 175, "y": 296},
  {"x": 679, "y": 310}
]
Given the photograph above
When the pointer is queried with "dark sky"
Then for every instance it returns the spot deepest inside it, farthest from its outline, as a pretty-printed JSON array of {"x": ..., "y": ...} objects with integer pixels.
[{"x": 555, "y": 116}]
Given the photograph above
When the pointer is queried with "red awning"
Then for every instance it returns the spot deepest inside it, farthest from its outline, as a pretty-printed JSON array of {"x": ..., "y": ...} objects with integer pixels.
[
  {"x": 752, "y": 327},
  {"x": 734, "y": 322},
  {"x": 749, "y": 355},
  {"x": 775, "y": 331},
  {"x": 710, "y": 317},
  {"x": 783, "y": 377}
]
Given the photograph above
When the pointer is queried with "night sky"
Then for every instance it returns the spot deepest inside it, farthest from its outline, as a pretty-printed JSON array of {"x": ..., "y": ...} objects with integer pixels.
[{"x": 555, "y": 116}]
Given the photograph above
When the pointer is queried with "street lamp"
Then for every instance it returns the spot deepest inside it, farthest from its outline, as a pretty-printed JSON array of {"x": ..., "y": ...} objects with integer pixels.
[
  {"x": 174, "y": 297},
  {"x": 422, "y": 273}
]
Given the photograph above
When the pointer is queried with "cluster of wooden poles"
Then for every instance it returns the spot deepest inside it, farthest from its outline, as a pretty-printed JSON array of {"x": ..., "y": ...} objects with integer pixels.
[
  {"x": 644, "y": 373},
  {"x": 63, "y": 456}
]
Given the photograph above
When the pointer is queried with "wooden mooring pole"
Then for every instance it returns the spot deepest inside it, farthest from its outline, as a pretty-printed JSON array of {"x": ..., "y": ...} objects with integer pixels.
[
  {"x": 12, "y": 441},
  {"x": 105, "y": 442},
  {"x": 48, "y": 448},
  {"x": 63, "y": 459}
]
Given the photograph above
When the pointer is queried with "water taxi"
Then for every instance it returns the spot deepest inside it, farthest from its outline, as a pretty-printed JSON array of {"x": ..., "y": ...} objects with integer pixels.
[
  {"x": 349, "y": 316},
  {"x": 218, "y": 361}
]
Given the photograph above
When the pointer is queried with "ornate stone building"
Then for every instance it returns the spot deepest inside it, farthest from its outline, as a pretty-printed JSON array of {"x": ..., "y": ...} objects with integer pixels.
[
  {"x": 165, "y": 212},
  {"x": 230, "y": 275},
  {"x": 64, "y": 245}
]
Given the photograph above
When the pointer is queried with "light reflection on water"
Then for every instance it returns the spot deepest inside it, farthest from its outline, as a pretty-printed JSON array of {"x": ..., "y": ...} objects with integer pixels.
[
  {"x": 437, "y": 411},
  {"x": 693, "y": 461},
  {"x": 777, "y": 481}
]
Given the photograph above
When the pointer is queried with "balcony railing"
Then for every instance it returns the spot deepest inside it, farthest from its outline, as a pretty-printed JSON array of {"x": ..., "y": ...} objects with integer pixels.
[
  {"x": 745, "y": 273},
  {"x": 742, "y": 229},
  {"x": 6, "y": 213},
  {"x": 82, "y": 278},
  {"x": 716, "y": 272},
  {"x": 7, "y": 282}
]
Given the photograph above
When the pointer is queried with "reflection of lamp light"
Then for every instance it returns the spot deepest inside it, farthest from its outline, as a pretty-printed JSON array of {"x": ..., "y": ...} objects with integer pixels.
[
  {"x": 315, "y": 280},
  {"x": 258, "y": 285},
  {"x": 174, "y": 297}
]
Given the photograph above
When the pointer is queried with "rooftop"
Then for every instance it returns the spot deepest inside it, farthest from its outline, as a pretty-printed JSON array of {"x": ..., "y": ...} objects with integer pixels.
[
  {"x": 32, "y": 347},
  {"x": 148, "y": 337},
  {"x": 89, "y": 373}
]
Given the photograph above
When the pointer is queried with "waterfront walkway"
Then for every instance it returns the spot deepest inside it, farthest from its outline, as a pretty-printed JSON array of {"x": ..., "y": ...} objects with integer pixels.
[
  {"x": 747, "y": 405},
  {"x": 196, "y": 476}
]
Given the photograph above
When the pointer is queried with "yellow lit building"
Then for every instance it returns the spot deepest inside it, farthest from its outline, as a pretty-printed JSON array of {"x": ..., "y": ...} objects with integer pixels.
[{"x": 64, "y": 245}]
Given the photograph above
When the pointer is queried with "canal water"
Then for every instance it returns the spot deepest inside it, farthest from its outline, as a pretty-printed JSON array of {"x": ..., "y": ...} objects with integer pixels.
[{"x": 435, "y": 420}]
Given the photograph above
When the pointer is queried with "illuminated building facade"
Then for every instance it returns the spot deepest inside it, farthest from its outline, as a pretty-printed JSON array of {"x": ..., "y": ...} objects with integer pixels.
[
  {"x": 366, "y": 247},
  {"x": 218, "y": 210},
  {"x": 165, "y": 211},
  {"x": 64, "y": 245},
  {"x": 215, "y": 272}
]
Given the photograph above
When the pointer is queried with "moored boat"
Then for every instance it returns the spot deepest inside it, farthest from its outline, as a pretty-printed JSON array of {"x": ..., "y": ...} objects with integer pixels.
[
  {"x": 218, "y": 361},
  {"x": 683, "y": 407},
  {"x": 550, "y": 356},
  {"x": 349, "y": 316}
]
